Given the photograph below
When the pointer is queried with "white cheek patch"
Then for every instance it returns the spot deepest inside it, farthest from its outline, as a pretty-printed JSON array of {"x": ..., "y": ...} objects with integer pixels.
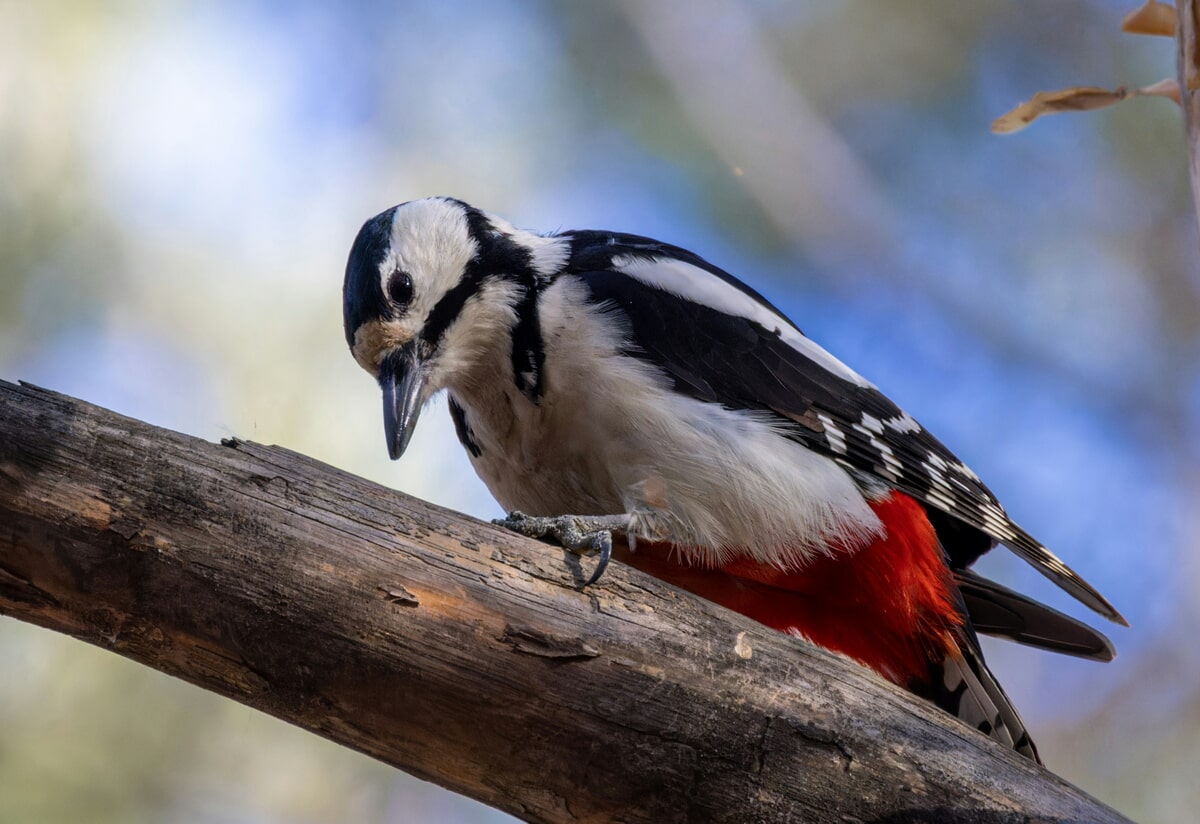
[
  {"x": 432, "y": 242},
  {"x": 486, "y": 317}
]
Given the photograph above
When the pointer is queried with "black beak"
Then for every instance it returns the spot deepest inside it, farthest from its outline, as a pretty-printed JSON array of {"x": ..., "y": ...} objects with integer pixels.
[{"x": 402, "y": 377}]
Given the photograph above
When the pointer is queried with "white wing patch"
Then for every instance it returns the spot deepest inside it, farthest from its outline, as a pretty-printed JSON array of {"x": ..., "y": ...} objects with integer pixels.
[
  {"x": 940, "y": 492},
  {"x": 996, "y": 522},
  {"x": 695, "y": 284},
  {"x": 904, "y": 423},
  {"x": 963, "y": 469},
  {"x": 870, "y": 424},
  {"x": 835, "y": 436},
  {"x": 901, "y": 424},
  {"x": 891, "y": 467}
]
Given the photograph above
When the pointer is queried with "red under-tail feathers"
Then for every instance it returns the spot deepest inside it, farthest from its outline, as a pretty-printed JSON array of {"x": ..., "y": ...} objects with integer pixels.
[{"x": 891, "y": 605}]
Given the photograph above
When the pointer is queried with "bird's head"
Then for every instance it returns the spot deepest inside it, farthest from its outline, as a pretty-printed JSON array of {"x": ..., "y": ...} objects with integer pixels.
[
  {"x": 428, "y": 291},
  {"x": 403, "y": 295}
]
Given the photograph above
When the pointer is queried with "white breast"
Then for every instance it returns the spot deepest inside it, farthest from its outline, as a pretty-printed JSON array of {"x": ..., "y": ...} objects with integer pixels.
[{"x": 610, "y": 436}]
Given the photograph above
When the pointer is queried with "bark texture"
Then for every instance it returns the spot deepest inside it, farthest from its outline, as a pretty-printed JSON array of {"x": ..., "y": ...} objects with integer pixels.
[
  {"x": 1187, "y": 30},
  {"x": 461, "y": 653}
]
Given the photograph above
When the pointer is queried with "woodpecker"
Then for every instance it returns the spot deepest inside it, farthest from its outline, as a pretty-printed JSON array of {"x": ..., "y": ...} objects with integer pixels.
[{"x": 603, "y": 382}]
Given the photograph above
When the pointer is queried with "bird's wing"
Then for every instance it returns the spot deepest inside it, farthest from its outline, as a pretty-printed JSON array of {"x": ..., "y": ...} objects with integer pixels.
[{"x": 722, "y": 342}]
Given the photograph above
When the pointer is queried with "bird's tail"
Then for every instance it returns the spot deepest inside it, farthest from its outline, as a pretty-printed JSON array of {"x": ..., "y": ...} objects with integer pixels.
[
  {"x": 963, "y": 686},
  {"x": 997, "y": 610}
]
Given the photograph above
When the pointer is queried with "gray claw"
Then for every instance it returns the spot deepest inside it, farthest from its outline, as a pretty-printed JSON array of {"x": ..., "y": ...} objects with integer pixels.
[
  {"x": 583, "y": 535},
  {"x": 604, "y": 539}
]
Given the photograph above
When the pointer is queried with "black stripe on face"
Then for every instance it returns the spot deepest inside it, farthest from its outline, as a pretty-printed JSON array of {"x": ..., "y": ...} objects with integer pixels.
[
  {"x": 447, "y": 310},
  {"x": 451, "y": 304},
  {"x": 362, "y": 290},
  {"x": 498, "y": 257}
]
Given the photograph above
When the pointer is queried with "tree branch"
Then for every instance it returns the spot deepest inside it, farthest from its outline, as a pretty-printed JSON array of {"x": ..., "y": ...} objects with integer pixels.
[
  {"x": 458, "y": 652},
  {"x": 1187, "y": 23}
]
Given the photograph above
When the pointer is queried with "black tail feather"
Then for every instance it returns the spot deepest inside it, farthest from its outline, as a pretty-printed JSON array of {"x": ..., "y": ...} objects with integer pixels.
[{"x": 997, "y": 610}]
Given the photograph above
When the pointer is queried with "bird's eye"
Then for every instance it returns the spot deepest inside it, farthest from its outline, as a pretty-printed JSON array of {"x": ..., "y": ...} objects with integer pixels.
[{"x": 400, "y": 288}]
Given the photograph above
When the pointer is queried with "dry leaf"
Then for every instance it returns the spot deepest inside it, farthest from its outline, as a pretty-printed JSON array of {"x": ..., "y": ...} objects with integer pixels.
[
  {"x": 1074, "y": 99},
  {"x": 1152, "y": 18},
  {"x": 1077, "y": 99},
  {"x": 1167, "y": 87}
]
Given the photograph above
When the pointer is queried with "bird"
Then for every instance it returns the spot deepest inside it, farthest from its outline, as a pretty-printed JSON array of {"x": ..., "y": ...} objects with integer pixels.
[{"x": 607, "y": 383}]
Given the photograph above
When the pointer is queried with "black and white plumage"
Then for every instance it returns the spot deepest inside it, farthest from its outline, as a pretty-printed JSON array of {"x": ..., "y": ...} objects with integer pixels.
[
  {"x": 671, "y": 331},
  {"x": 599, "y": 373}
]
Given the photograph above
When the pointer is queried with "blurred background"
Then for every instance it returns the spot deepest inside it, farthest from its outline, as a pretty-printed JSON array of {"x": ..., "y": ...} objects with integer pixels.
[{"x": 180, "y": 183}]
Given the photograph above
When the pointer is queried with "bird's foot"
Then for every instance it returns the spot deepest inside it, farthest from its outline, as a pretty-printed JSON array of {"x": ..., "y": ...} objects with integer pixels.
[{"x": 581, "y": 534}]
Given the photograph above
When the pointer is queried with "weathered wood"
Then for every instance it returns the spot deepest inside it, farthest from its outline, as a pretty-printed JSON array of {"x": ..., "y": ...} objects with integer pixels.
[
  {"x": 458, "y": 652},
  {"x": 1187, "y": 40}
]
